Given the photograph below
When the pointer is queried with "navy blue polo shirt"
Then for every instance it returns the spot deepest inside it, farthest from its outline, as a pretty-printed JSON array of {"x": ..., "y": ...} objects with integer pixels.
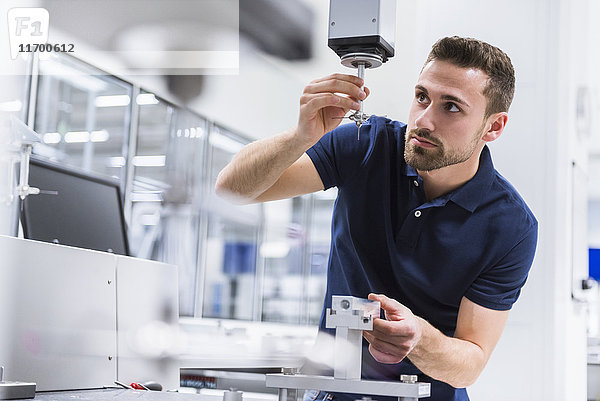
[{"x": 477, "y": 241}]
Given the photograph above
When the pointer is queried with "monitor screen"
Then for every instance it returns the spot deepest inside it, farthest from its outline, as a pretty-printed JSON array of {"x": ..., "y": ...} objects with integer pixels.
[{"x": 75, "y": 208}]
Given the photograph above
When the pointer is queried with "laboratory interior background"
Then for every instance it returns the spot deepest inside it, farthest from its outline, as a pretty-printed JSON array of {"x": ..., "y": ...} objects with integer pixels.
[{"x": 210, "y": 295}]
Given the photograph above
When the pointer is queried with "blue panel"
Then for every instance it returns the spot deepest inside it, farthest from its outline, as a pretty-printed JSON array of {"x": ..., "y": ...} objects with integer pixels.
[
  {"x": 239, "y": 257},
  {"x": 595, "y": 263}
]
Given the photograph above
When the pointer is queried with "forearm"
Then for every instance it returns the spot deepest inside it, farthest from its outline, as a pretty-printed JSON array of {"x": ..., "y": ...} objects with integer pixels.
[
  {"x": 451, "y": 360},
  {"x": 258, "y": 166}
]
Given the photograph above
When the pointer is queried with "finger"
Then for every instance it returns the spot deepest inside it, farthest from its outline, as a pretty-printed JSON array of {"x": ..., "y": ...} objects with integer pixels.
[
  {"x": 336, "y": 86},
  {"x": 389, "y": 305},
  {"x": 342, "y": 77},
  {"x": 396, "y": 349},
  {"x": 393, "y": 330},
  {"x": 382, "y": 357},
  {"x": 315, "y": 102},
  {"x": 383, "y": 344},
  {"x": 386, "y": 346},
  {"x": 367, "y": 92}
]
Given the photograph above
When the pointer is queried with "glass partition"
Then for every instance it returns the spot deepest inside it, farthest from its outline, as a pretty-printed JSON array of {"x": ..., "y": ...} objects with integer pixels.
[
  {"x": 82, "y": 115},
  {"x": 167, "y": 189},
  {"x": 231, "y": 264},
  {"x": 318, "y": 251}
]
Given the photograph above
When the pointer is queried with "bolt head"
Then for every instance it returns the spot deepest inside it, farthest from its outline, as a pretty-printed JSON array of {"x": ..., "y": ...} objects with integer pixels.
[{"x": 411, "y": 379}]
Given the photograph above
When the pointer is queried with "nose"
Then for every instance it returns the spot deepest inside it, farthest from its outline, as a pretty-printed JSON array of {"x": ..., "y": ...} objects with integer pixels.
[{"x": 424, "y": 119}]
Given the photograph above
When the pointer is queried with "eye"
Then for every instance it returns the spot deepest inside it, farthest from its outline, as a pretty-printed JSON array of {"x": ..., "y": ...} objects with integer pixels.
[
  {"x": 421, "y": 97},
  {"x": 452, "y": 107}
]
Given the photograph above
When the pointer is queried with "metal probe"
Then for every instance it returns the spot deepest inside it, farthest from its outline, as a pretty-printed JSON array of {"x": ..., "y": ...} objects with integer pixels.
[
  {"x": 361, "y": 75},
  {"x": 359, "y": 117}
]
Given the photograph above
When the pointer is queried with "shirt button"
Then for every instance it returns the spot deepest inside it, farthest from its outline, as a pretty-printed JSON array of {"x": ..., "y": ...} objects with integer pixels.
[
  {"x": 418, "y": 213},
  {"x": 416, "y": 183}
]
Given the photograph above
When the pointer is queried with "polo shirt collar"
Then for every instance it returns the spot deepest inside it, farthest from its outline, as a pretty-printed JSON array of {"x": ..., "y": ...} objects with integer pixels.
[{"x": 472, "y": 193}]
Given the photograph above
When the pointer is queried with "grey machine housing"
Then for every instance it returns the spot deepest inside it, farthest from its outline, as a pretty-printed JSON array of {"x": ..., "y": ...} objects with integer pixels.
[{"x": 362, "y": 27}]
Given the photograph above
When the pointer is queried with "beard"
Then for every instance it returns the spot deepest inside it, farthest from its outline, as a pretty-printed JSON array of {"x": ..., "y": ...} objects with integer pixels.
[{"x": 428, "y": 159}]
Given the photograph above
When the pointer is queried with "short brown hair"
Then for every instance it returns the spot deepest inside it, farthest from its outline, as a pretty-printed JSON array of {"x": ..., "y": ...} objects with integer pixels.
[{"x": 473, "y": 53}]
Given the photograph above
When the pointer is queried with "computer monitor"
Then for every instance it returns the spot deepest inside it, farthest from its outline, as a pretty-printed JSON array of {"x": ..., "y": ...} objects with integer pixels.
[{"x": 75, "y": 208}]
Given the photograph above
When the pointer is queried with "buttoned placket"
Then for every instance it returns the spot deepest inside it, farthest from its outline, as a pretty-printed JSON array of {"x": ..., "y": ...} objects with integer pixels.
[{"x": 411, "y": 228}]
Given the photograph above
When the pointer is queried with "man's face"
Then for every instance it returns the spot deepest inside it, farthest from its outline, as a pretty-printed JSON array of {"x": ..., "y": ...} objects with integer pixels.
[{"x": 446, "y": 119}]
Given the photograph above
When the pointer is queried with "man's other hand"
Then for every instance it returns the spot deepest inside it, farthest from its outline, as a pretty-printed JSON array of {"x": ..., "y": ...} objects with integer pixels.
[{"x": 394, "y": 337}]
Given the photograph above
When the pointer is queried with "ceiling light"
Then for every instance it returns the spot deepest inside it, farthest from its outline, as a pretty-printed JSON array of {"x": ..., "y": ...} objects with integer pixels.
[
  {"x": 149, "y": 161},
  {"x": 144, "y": 99},
  {"x": 99, "y": 136},
  {"x": 52, "y": 137},
  {"x": 77, "y": 136},
  {"x": 112, "y": 101}
]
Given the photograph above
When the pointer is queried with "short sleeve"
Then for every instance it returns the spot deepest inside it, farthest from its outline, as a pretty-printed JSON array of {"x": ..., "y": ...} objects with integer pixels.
[
  {"x": 499, "y": 287},
  {"x": 340, "y": 152}
]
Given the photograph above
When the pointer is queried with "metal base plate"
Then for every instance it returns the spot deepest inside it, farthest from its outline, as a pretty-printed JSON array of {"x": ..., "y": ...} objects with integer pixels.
[{"x": 328, "y": 383}]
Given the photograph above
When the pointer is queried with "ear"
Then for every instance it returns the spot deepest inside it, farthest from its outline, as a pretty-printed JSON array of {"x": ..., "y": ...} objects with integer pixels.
[{"x": 496, "y": 123}]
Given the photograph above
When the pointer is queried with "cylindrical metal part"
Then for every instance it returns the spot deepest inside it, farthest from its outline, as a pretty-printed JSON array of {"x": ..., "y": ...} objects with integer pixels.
[
  {"x": 283, "y": 394},
  {"x": 361, "y": 70},
  {"x": 24, "y": 168},
  {"x": 361, "y": 75},
  {"x": 232, "y": 395},
  {"x": 370, "y": 60}
]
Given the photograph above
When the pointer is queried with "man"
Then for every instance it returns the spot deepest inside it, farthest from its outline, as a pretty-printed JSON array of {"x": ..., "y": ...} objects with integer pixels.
[{"x": 422, "y": 216}]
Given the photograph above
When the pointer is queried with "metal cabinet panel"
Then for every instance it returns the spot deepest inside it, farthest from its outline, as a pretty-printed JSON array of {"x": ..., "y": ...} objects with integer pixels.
[
  {"x": 59, "y": 315},
  {"x": 148, "y": 322}
]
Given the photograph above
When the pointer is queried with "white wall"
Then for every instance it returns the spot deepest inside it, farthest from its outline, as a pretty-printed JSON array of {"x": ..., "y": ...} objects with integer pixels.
[{"x": 541, "y": 355}]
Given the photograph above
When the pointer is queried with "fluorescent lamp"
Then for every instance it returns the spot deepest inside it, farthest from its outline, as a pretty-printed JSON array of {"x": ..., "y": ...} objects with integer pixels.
[
  {"x": 99, "y": 136},
  {"x": 116, "y": 161},
  {"x": 149, "y": 161},
  {"x": 112, "y": 101},
  {"x": 146, "y": 197},
  {"x": 144, "y": 99},
  {"x": 52, "y": 137},
  {"x": 77, "y": 136}
]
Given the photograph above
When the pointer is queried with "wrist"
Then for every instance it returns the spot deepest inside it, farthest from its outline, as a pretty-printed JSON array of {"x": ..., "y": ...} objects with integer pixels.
[
  {"x": 297, "y": 140},
  {"x": 422, "y": 336}
]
